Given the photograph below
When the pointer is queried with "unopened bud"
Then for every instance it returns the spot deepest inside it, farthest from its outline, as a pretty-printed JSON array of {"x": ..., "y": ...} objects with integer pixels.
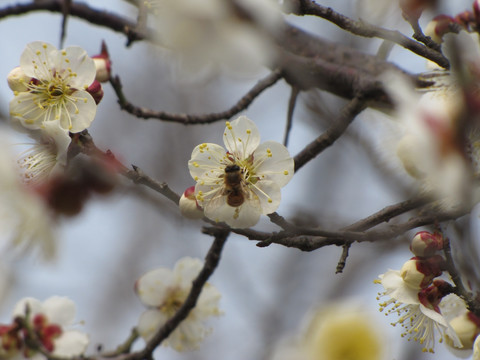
[
  {"x": 413, "y": 8},
  {"x": 425, "y": 244},
  {"x": 103, "y": 64},
  {"x": 467, "y": 328},
  {"x": 188, "y": 205},
  {"x": 419, "y": 273},
  {"x": 95, "y": 89},
  {"x": 465, "y": 19},
  {"x": 439, "y": 26},
  {"x": 476, "y": 10},
  {"x": 17, "y": 80},
  {"x": 431, "y": 296}
]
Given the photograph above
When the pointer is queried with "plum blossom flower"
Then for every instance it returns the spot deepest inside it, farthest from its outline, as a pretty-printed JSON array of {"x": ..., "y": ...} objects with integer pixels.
[
  {"x": 164, "y": 291},
  {"x": 421, "y": 311},
  {"x": 24, "y": 219},
  {"x": 203, "y": 32},
  {"x": 49, "y": 321},
  {"x": 339, "y": 331},
  {"x": 51, "y": 86},
  {"x": 48, "y": 155},
  {"x": 239, "y": 184}
]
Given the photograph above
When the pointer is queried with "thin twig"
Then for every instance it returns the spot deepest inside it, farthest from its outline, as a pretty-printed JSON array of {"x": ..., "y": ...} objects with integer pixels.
[
  {"x": 291, "y": 107},
  {"x": 362, "y": 28},
  {"x": 188, "y": 119},
  {"x": 347, "y": 115}
]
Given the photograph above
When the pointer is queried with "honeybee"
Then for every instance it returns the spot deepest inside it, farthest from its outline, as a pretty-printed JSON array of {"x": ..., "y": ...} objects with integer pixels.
[{"x": 233, "y": 188}]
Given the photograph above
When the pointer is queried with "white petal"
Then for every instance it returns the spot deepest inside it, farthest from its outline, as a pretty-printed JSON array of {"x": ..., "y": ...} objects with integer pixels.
[
  {"x": 268, "y": 193},
  {"x": 25, "y": 108},
  {"x": 71, "y": 343},
  {"x": 243, "y": 216},
  {"x": 206, "y": 161},
  {"x": 81, "y": 64},
  {"x": 241, "y": 137},
  {"x": 476, "y": 349},
  {"x": 36, "y": 60},
  {"x": 59, "y": 310},
  {"x": 278, "y": 167},
  {"x": 81, "y": 110},
  {"x": 153, "y": 286},
  {"x": 149, "y": 322},
  {"x": 186, "y": 270},
  {"x": 397, "y": 289},
  {"x": 432, "y": 314},
  {"x": 34, "y": 305}
]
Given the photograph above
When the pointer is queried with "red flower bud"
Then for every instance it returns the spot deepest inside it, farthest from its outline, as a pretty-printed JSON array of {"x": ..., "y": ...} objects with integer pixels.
[
  {"x": 95, "y": 89},
  {"x": 425, "y": 243}
]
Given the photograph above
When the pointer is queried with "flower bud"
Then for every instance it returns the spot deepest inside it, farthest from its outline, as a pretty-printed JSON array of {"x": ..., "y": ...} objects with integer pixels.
[
  {"x": 476, "y": 10},
  {"x": 467, "y": 327},
  {"x": 95, "y": 89},
  {"x": 465, "y": 19},
  {"x": 439, "y": 26},
  {"x": 17, "y": 80},
  {"x": 414, "y": 8},
  {"x": 419, "y": 273},
  {"x": 188, "y": 205},
  {"x": 425, "y": 244},
  {"x": 103, "y": 64},
  {"x": 431, "y": 296}
]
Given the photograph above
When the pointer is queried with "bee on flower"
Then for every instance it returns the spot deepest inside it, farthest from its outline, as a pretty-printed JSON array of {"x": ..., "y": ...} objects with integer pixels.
[
  {"x": 52, "y": 85},
  {"x": 240, "y": 183}
]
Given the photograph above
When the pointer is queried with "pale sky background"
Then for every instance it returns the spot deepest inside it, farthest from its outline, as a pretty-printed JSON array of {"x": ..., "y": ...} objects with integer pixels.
[{"x": 266, "y": 292}]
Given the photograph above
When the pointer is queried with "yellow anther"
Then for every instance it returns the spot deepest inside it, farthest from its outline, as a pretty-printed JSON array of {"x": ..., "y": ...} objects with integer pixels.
[
  {"x": 285, "y": 172},
  {"x": 270, "y": 201},
  {"x": 249, "y": 131},
  {"x": 64, "y": 53},
  {"x": 44, "y": 46},
  {"x": 38, "y": 52}
]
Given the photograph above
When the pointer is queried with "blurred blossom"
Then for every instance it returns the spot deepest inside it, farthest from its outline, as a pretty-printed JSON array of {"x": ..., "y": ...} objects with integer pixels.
[
  {"x": 51, "y": 86},
  {"x": 49, "y": 321},
  {"x": 164, "y": 291},
  {"x": 340, "y": 331},
  {"x": 234, "y": 33},
  {"x": 240, "y": 184},
  {"x": 25, "y": 220},
  {"x": 432, "y": 149}
]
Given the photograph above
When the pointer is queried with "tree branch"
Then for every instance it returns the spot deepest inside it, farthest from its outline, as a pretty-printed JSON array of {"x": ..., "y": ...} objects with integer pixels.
[{"x": 189, "y": 119}]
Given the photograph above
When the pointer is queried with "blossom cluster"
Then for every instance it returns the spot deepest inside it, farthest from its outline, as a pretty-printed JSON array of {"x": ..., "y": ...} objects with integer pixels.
[
  {"x": 56, "y": 93},
  {"x": 425, "y": 303},
  {"x": 42, "y": 327}
]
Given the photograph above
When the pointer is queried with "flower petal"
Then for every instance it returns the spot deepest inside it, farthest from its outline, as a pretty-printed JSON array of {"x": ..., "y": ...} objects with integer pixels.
[
  {"x": 153, "y": 285},
  {"x": 206, "y": 161},
  {"x": 272, "y": 161},
  {"x": 35, "y": 60},
  {"x": 71, "y": 343},
  {"x": 269, "y": 194},
  {"x": 186, "y": 270},
  {"x": 80, "y": 112},
  {"x": 241, "y": 137},
  {"x": 149, "y": 322},
  {"x": 34, "y": 305},
  {"x": 243, "y": 216},
  {"x": 77, "y": 61},
  {"x": 59, "y": 310},
  {"x": 397, "y": 289}
]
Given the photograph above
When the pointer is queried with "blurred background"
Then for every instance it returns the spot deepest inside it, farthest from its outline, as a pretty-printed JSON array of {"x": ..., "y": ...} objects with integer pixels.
[{"x": 266, "y": 292}]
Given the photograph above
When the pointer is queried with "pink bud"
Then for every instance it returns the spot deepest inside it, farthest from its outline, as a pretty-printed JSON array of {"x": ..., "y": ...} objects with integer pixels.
[
  {"x": 476, "y": 10},
  {"x": 418, "y": 273},
  {"x": 103, "y": 64},
  {"x": 431, "y": 296},
  {"x": 465, "y": 18},
  {"x": 439, "y": 26},
  {"x": 425, "y": 244},
  {"x": 188, "y": 205},
  {"x": 95, "y": 89},
  {"x": 17, "y": 80}
]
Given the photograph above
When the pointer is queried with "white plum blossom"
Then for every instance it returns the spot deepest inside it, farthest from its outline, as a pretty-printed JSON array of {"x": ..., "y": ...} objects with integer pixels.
[
  {"x": 164, "y": 291},
  {"x": 240, "y": 183},
  {"x": 24, "y": 218},
  {"x": 202, "y": 32},
  {"x": 51, "y": 85},
  {"x": 420, "y": 316},
  {"x": 50, "y": 321},
  {"x": 47, "y": 157}
]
